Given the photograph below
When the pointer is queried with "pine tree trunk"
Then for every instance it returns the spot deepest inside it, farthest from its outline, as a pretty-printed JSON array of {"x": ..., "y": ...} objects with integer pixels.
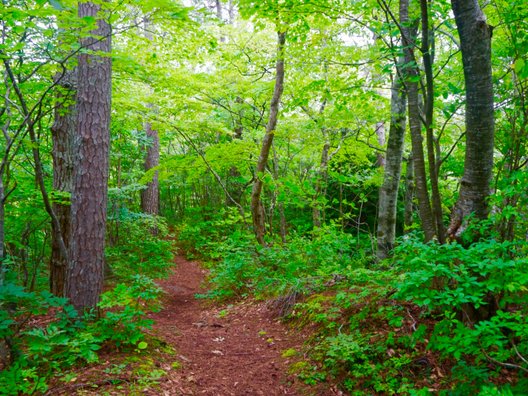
[
  {"x": 63, "y": 132},
  {"x": 475, "y": 42},
  {"x": 388, "y": 194},
  {"x": 257, "y": 210},
  {"x": 90, "y": 178},
  {"x": 150, "y": 195}
]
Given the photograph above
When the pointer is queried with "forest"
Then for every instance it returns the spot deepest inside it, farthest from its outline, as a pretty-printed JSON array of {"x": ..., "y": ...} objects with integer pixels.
[{"x": 264, "y": 197}]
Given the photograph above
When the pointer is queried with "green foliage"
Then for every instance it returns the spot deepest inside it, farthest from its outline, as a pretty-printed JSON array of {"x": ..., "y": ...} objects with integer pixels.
[
  {"x": 479, "y": 296},
  {"x": 141, "y": 246},
  {"x": 61, "y": 338},
  {"x": 304, "y": 264},
  {"x": 445, "y": 277},
  {"x": 362, "y": 339},
  {"x": 124, "y": 320}
]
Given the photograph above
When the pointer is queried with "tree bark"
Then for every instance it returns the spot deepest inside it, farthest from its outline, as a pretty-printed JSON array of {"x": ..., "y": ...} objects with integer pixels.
[
  {"x": 388, "y": 194},
  {"x": 411, "y": 82},
  {"x": 257, "y": 210},
  {"x": 475, "y": 43},
  {"x": 430, "y": 139},
  {"x": 219, "y": 9},
  {"x": 382, "y": 139},
  {"x": 90, "y": 179},
  {"x": 63, "y": 132},
  {"x": 150, "y": 195}
]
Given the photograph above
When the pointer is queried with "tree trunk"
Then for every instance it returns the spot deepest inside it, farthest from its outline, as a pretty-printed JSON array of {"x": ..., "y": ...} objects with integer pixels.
[
  {"x": 388, "y": 194},
  {"x": 411, "y": 82},
  {"x": 430, "y": 139},
  {"x": 90, "y": 179},
  {"x": 150, "y": 195},
  {"x": 475, "y": 42},
  {"x": 63, "y": 132},
  {"x": 381, "y": 135},
  {"x": 257, "y": 210},
  {"x": 219, "y": 9}
]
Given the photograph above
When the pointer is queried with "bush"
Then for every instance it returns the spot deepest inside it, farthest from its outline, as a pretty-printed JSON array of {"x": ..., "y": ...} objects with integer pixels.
[
  {"x": 139, "y": 250},
  {"x": 478, "y": 295},
  {"x": 63, "y": 338},
  {"x": 303, "y": 265}
]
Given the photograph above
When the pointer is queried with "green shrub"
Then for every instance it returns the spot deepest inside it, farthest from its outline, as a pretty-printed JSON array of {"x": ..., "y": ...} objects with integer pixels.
[
  {"x": 39, "y": 352},
  {"x": 124, "y": 319},
  {"x": 303, "y": 265},
  {"x": 451, "y": 282},
  {"x": 139, "y": 250}
]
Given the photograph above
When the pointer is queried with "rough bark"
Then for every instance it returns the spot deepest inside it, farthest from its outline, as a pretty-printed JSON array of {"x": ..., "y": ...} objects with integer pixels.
[
  {"x": 257, "y": 210},
  {"x": 411, "y": 83},
  {"x": 62, "y": 131},
  {"x": 90, "y": 179},
  {"x": 475, "y": 43},
  {"x": 388, "y": 194},
  {"x": 150, "y": 195}
]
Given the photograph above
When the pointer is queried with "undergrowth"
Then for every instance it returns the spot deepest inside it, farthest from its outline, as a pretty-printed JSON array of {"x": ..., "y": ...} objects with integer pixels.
[
  {"x": 45, "y": 335},
  {"x": 422, "y": 323},
  {"x": 42, "y": 337},
  {"x": 139, "y": 245}
]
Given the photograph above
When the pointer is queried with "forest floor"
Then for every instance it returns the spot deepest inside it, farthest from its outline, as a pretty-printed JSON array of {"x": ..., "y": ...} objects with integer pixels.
[{"x": 198, "y": 347}]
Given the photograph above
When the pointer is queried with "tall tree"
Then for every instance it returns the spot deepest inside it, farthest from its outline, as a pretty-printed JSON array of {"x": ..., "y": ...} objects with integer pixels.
[
  {"x": 150, "y": 195},
  {"x": 257, "y": 209},
  {"x": 408, "y": 32},
  {"x": 475, "y": 43},
  {"x": 90, "y": 179},
  {"x": 388, "y": 195}
]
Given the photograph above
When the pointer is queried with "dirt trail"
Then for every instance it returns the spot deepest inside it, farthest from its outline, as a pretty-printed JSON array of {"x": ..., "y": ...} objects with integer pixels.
[{"x": 232, "y": 350}]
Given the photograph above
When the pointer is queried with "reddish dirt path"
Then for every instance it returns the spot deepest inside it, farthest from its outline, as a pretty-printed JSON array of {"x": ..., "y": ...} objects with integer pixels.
[{"x": 232, "y": 350}]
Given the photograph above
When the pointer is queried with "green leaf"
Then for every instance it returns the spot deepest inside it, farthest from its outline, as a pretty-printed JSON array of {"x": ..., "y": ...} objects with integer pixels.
[{"x": 519, "y": 65}]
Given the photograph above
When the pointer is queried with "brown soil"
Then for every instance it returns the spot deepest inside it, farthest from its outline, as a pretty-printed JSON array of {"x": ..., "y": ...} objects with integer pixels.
[
  {"x": 231, "y": 350},
  {"x": 197, "y": 347}
]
